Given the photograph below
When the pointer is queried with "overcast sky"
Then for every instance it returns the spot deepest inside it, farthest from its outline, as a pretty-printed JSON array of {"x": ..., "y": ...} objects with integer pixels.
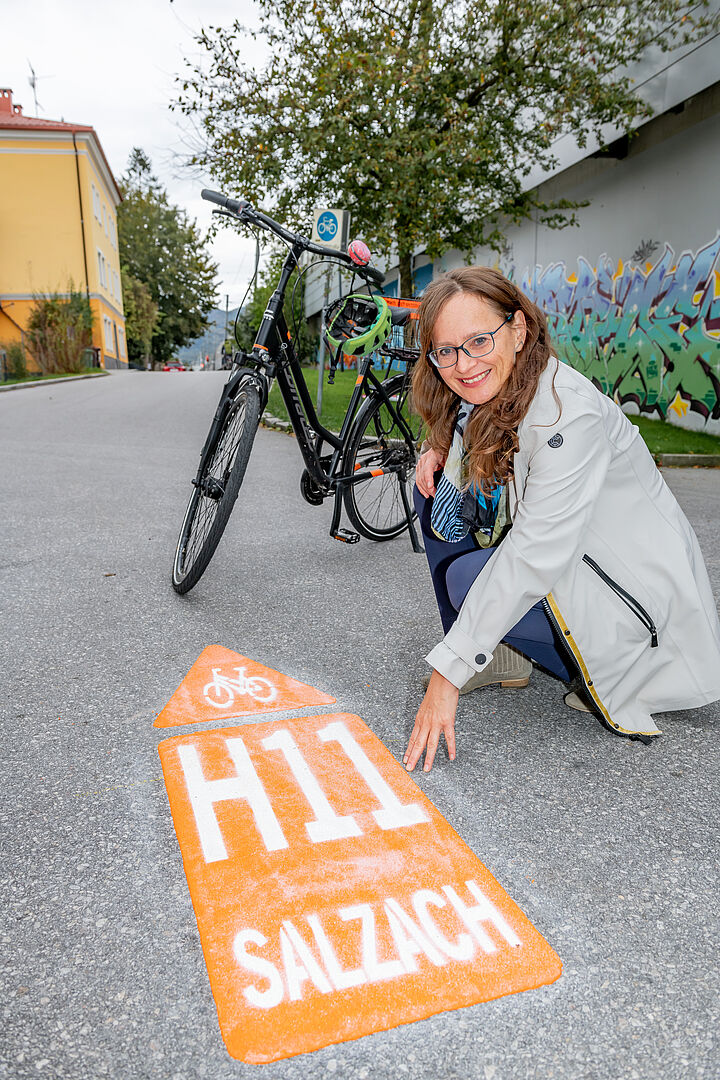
[{"x": 113, "y": 65}]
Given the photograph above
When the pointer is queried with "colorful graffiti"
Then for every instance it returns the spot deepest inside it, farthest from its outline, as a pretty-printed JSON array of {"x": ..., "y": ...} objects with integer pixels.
[{"x": 650, "y": 338}]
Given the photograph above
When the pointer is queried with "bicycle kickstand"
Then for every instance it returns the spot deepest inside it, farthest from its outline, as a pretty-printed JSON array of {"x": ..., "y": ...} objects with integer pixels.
[
  {"x": 336, "y": 532},
  {"x": 414, "y": 540}
]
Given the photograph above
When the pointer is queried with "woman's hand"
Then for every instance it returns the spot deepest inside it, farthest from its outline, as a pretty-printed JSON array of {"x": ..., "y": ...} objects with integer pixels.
[
  {"x": 435, "y": 716},
  {"x": 427, "y": 465}
]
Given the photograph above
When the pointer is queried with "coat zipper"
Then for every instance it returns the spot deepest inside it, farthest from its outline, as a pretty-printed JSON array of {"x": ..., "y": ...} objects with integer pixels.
[
  {"x": 635, "y": 606},
  {"x": 573, "y": 652}
]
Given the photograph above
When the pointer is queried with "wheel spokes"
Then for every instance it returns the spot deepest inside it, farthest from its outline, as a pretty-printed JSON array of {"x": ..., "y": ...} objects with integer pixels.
[
  {"x": 211, "y": 490},
  {"x": 379, "y": 499}
]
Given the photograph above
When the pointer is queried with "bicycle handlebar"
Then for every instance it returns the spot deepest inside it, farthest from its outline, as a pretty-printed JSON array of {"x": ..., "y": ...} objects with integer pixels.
[{"x": 247, "y": 212}]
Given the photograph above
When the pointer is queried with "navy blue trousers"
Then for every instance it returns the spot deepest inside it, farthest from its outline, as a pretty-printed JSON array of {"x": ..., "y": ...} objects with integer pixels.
[{"x": 453, "y": 569}]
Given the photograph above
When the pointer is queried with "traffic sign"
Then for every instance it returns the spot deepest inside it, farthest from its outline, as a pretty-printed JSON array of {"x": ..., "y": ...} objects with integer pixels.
[
  {"x": 222, "y": 683},
  {"x": 332, "y": 898},
  {"x": 331, "y": 227}
]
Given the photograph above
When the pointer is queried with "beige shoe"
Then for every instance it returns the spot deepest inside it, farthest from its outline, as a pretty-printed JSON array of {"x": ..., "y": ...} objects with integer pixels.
[
  {"x": 507, "y": 667},
  {"x": 575, "y": 701}
]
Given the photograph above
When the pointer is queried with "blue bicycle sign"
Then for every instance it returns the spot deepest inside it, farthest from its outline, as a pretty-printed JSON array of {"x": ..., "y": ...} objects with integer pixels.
[{"x": 327, "y": 226}]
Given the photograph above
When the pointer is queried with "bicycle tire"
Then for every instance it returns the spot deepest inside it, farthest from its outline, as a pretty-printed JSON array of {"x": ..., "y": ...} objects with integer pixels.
[
  {"x": 206, "y": 516},
  {"x": 375, "y": 507}
]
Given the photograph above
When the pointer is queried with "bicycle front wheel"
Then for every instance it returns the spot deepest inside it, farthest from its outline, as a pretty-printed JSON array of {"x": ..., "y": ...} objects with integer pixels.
[
  {"x": 375, "y": 506},
  {"x": 214, "y": 495}
]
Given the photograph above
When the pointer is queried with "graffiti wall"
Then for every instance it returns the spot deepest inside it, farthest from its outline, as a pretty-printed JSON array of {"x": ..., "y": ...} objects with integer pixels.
[{"x": 649, "y": 337}]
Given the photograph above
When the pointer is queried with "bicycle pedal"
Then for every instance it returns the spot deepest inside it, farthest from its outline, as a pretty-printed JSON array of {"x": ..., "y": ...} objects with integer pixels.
[{"x": 345, "y": 536}]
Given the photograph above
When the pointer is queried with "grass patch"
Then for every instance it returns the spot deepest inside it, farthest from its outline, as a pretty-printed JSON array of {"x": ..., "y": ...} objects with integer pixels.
[
  {"x": 34, "y": 376},
  {"x": 335, "y": 398},
  {"x": 664, "y": 438}
]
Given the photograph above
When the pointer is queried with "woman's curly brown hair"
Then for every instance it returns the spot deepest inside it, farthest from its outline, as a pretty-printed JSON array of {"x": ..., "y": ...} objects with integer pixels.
[{"x": 491, "y": 432}]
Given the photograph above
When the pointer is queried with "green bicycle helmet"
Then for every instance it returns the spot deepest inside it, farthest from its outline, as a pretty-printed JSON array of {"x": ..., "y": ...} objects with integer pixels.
[{"x": 361, "y": 324}]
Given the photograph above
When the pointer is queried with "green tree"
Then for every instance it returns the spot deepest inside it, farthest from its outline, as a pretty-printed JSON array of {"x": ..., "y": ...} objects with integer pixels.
[
  {"x": 161, "y": 248},
  {"x": 59, "y": 331},
  {"x": 141, "y": 317},
  {"x": 421, "y": 117}
]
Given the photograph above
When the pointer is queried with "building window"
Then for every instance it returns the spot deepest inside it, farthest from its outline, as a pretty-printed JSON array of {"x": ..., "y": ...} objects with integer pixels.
[
  {"x": 103, "y": 270},
  {"x": 121, "y": 341},
  {"x": 109, "y": 346}
]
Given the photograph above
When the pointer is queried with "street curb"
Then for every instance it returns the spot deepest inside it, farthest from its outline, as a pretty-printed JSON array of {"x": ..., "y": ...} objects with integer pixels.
[
  {"x": 276, "y": 424},
  {"x": 52, "y": 382},
  {"x": 689, "y": 461}
]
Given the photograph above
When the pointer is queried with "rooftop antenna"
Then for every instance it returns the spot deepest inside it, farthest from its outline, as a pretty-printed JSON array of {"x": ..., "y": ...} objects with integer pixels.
[{"x": 33, "y": 80}]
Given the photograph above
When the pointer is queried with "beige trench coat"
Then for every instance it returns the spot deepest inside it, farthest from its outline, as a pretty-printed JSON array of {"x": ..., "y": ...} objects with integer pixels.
[{"x": 597, "y": 536}]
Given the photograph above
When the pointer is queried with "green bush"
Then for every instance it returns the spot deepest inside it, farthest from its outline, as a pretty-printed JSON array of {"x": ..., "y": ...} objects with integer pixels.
[
  {"x": 59, "y": 331},
  {"x": 15, "y": 366}
]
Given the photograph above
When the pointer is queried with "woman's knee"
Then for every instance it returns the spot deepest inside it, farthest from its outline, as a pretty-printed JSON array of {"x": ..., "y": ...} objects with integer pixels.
[{"x": 461, "y": 573}]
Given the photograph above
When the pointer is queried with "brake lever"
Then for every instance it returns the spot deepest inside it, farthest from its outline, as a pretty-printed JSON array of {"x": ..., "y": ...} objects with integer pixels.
[{"x": 227, "y": 213}]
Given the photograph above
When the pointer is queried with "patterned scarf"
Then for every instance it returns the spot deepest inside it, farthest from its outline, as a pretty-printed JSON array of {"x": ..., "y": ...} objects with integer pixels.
[{"x": 459, "y": 508}]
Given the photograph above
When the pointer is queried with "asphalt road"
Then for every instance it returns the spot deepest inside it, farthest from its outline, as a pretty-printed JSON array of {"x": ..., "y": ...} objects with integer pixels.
[{"x": 608, "y": 846}]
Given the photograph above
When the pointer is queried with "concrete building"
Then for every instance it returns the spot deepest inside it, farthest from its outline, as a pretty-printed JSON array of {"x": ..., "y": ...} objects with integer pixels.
[
  {"x": 58, "y": 226},
  {"x": 632, "y": 293}
]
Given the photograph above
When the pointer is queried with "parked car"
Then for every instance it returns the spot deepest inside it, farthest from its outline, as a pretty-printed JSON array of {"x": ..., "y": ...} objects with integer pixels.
[{"x": 173, "y": 365}]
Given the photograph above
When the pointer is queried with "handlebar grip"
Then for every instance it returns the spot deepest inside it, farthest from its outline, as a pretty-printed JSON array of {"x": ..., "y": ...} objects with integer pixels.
[
  {"x": 374, "y": 274},
  {"x": 213, "y": 196},
  {"x": 234, "y": 205}
]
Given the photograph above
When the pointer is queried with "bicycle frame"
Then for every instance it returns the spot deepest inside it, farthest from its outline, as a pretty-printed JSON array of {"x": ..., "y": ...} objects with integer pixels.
[{"x": 274, "y": 357}]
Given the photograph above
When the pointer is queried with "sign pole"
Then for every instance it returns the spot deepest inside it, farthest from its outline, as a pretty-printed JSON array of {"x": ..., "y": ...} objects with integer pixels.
[{"x": 321, "y": 347}]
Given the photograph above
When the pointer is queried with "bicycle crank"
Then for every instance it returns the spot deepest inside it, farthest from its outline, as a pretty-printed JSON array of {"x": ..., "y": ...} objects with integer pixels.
[{"x": 310, "y": 490}]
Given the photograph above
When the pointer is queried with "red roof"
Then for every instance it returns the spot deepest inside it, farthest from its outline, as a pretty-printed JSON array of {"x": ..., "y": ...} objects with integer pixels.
[
  {"x": 36, "y": 123},
  {"x": 11, "y": 118}
]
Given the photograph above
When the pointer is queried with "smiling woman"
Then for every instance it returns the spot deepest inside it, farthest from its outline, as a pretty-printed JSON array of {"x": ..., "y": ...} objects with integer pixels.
[{"x": 538, "y": 500}]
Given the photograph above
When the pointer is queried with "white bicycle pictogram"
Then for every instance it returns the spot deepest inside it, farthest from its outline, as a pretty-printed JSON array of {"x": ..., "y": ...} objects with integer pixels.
[
  {"x": 327, "y": 226},
  {"x": 221, "y": 692}
]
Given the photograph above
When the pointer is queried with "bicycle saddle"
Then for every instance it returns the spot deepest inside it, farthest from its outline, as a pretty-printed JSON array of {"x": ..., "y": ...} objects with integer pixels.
[{"x": 399, "y": 315}]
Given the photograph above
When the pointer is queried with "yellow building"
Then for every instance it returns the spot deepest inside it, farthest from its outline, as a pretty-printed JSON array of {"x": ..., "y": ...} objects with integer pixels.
[{"x": 58, "y": 225}]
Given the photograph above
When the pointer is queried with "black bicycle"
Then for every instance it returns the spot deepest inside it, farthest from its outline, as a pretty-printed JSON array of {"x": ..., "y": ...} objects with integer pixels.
[{"x": 368, "y": 466}]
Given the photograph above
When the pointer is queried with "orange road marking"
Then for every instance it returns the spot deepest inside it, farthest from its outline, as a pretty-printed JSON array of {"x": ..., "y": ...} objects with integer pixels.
[
  {"x": 222, "y": 683},
  {"x": 332, "y": 898}
]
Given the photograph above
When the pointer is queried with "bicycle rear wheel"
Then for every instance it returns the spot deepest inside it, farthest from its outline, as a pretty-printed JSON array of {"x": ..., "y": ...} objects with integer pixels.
[
  {"x": 375, "y": 506},
  {"x": 214, "y": 495}
]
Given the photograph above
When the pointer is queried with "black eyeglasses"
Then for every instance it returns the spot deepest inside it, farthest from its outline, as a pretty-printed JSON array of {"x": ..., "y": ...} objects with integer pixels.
[{"x": 477, "y": 345}]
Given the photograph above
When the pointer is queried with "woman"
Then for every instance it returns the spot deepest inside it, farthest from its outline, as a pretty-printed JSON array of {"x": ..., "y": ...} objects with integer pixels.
[{"x": 550, "y": 527}]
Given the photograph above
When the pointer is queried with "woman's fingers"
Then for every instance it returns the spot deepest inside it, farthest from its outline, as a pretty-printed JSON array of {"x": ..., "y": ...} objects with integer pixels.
[
  {"x": 426, "y": 738},
  {"x": 450, "y": 740},
  {"x": 424, "y": 478},
  {"x": 431, "y": 748},
  {"x": 415, "y": 747},
  {"x": 435, "y": 717},
  {"x": 427, "y": 465}
]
